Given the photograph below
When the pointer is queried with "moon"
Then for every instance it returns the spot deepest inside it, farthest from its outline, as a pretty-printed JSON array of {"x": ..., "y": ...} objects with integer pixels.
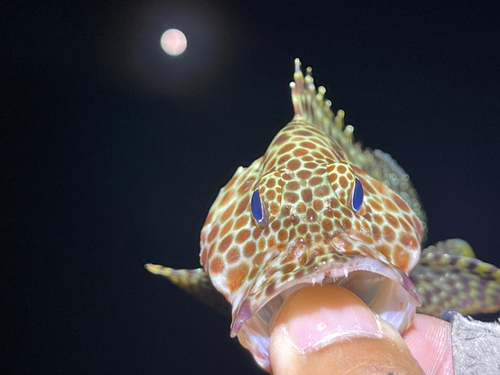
[{"x": 173, "y": 42}]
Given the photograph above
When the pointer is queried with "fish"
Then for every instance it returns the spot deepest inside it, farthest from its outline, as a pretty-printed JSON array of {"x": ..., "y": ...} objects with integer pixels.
[{"x": 318, "y": 208}]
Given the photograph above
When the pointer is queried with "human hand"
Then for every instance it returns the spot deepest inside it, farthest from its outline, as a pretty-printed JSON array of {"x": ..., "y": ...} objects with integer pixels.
[{"x": 317, "y": 334}]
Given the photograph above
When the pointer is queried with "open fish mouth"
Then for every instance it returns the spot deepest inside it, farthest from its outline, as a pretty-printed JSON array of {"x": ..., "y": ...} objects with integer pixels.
[{"x": 383, "y": 287}]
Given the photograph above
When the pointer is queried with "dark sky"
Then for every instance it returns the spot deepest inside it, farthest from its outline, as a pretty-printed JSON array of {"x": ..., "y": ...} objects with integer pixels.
[{"x": 111, "y": 154}]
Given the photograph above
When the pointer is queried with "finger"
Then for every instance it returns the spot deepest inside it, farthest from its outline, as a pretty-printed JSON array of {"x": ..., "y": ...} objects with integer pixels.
[
  {"x": 429, "y": 340},
  {"x": 329, "y": 330}
]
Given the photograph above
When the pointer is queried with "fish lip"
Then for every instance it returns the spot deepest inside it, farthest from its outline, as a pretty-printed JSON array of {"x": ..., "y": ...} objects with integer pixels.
[
  {"x": 335, "y": 270},
  {"x": 253, "y": 332}
]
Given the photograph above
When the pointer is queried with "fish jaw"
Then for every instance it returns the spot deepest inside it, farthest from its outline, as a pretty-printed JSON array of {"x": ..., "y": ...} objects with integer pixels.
[{"x": 386, "y": 289}]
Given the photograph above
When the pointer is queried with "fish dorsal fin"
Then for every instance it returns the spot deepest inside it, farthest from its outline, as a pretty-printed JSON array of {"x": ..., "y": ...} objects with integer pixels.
[{"x": 311, "y": 105}]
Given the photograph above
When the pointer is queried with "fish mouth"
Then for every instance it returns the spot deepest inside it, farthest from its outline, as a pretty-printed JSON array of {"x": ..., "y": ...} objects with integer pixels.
[{"x": 383, "y": 287}]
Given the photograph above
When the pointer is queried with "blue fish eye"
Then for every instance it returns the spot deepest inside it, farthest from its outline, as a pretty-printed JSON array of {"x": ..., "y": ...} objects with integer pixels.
[
  {"x": 357, "y": 195},
  {"x": 258, "y": 212}
]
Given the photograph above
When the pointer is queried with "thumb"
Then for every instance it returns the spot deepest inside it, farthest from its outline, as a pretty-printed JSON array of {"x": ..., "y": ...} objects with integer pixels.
[{"x": 329, "y": 330}]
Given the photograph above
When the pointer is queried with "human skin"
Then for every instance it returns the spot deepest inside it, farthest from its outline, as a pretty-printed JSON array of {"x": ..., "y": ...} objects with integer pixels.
[{"x": 329, "y": 330}]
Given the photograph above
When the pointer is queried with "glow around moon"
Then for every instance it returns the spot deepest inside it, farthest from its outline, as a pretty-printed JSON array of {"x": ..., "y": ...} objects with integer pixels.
[{"x": 173, "y": 42}]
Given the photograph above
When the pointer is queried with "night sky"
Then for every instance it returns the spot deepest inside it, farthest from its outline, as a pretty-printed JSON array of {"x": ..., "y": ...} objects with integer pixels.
[{"x": 111, "y": 153}]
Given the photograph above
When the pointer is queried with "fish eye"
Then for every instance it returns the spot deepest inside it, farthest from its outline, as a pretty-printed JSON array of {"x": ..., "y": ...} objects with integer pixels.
[
  {"x": 357, "y": 195},
  {"x": 258, "y": 211}
]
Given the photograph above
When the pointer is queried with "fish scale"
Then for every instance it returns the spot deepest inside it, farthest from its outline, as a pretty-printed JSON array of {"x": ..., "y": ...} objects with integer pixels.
[{"x": 319, "y": 208}]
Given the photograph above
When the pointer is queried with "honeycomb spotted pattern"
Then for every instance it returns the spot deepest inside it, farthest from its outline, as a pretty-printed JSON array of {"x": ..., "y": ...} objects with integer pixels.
[
  {"x": 306, "y": 181},
  {"x": 317, "y": 208}
]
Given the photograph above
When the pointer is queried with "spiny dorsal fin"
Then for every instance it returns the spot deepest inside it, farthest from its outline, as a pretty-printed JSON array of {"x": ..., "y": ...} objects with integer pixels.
[{"x": 310, "y": 104}]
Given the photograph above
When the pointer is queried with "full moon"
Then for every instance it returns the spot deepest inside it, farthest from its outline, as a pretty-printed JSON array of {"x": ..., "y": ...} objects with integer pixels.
[{"x": 173, "y": 42}]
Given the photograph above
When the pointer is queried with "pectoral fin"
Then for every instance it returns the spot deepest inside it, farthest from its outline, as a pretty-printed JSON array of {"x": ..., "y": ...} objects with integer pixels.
[
  {"x": 196, "y": 282},
  {"x": 449, "y": 277}
]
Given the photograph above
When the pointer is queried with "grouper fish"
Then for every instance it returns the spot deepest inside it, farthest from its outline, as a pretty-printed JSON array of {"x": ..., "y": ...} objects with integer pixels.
[{"x": 318, "y": 208}]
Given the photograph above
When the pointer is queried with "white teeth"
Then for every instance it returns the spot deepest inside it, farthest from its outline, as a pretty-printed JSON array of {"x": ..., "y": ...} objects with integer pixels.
[{"x": 318, "y": 279}]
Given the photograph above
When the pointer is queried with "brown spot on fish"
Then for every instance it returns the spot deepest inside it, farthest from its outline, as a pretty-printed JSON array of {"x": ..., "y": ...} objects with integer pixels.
[
  {"x": 253, "y": 273},
  {"x": 376, "y": 232},
  {"x": 242, "y": 236},
  {"x": 236, "y": 275},
  {"x": 388, "y": 234},
  {"x": 392, "y": 221},
  {"x": 282, "y": 235},
  {"x": 226, "y": 228},
  {"x": 262, "y": 244},
  {"x": 314, "y": 228},
  {"x": 213, "y": 233},
  {"x": 346, "y": 223},
  {"x": 211, "y": 251},
  {"x": 256, "y": 233},
  {"x": 333, "y": 203},
  {"x": 308, "y": 145},
  {"x": 291, "y": 197},
  {"x": 227, "y": 213},
  {"x": 259, "y": 259},
  {"x": 327, "y": 225},
  {"x": 302, "y": 229},
  {"x": 293, "y": 185},
  {"x": 224, "y": 244},
  {"x": 366, "y": 185},
  {"x": 378, "y": 219},
  {"x": 290, "y": 267},
  {"x": 401, "y": 203},
  {"x": 304, "y": 174},
  {"x": 271, "y": 242},
  {"x": 249, "y": 249},
  {"x": 318, "y": 205},
  {"x": 227, "y": 196},
  {"x": 402, "y": 258},
  {"x": 241, "y": 222},
  {"x": 301, "y": 207},
  {"x": 286, "y": 148},
  {"x": 294, "y": 164},
  {"x": 233, "y": 255},
  {"x": 281, "y": 139},
  {"x": 408, "y": 241},
  {"x": 242, "y": 206},
  {"x": 311, "y": 215},
  {"x": 270, "y": 195},
  {"x": 216, "y": 265},
  {"x": 315, "y": 181},
  {"x": 321, "y": 191},
  {"x": 298, "y": 152},
  {"x": 270, "y": 183},
  {"x": 270, "y": 290},
  {"x": 405, "y": 224},
  {"x": 390, "y": 206}
]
